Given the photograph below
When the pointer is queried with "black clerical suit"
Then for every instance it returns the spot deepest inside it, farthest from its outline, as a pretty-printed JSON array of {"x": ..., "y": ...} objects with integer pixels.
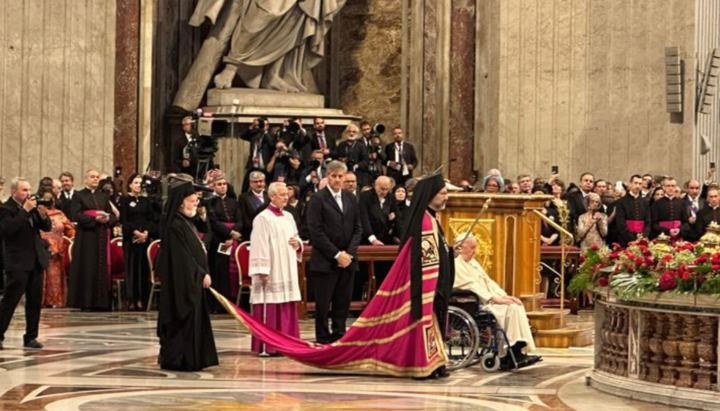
[
  {"x": 668, "y": 210},
  {"x": 26, "y": 257},
  {"x": 404, "y": 155},
  {"x": 249, "y": 205},
  {"x": 332, "y": 229},
  {"x": 224, "y": 217},
  {"x": 632, "y": 218}
]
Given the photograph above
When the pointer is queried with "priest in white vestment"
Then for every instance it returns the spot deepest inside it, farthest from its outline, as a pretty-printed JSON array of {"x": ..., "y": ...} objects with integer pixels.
[
  {"x": 275, "y": 250},
  {"x": 508, "y": 310}
]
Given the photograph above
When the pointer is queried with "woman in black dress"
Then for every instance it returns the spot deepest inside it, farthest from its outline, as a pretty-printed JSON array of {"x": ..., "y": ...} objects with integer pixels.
[
  {"x": 184, "y": 329},
  {"x": 138, "y": 229}
]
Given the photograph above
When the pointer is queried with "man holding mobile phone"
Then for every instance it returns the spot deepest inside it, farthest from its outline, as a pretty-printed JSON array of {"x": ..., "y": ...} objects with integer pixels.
[{"x": 90, "y": 287}]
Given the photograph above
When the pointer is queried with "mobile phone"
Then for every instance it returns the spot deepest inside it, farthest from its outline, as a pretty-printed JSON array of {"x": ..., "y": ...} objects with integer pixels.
[{"x": 555, "y": 170}]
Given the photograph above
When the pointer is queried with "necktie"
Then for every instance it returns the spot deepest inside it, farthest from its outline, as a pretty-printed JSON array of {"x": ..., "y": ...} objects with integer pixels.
[
  {"x": 258, "y": 201},
  {"x": 338, "y": 200},
  {"x": 321, "y": 140}
]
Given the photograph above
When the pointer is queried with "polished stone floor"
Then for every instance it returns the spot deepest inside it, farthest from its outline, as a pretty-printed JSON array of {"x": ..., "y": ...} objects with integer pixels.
[{"x": 107, "y": 362}]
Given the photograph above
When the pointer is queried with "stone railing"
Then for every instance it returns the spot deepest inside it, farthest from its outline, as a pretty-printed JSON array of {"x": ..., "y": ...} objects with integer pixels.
[{"x": 659, "y": 348}]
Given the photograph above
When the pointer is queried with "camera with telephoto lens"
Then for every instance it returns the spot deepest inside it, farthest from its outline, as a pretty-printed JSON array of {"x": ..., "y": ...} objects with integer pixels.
[
  {"x": 378, "y": 129},
  {"x": 293, "y": 125},
  {"x": 45, "y": 202}
]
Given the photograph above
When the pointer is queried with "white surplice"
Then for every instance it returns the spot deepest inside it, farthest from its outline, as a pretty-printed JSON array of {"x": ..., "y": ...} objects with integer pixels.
[
  {"x": 271, "y": 254},
  {"x": 470, "y": 276}
]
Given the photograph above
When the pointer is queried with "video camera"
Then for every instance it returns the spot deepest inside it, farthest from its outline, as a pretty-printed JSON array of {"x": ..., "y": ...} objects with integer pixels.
[{"x": 45, "y": 202}]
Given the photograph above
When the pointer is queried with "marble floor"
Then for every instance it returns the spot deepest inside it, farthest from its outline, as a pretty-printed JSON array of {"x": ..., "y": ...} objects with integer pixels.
[{"x": 107, "y": 362}]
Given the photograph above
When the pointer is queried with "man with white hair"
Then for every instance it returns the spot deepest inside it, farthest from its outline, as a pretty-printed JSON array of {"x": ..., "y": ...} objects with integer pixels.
[
  {"x": 276, "y": 250},
  {"x": 507, "y": 310}
]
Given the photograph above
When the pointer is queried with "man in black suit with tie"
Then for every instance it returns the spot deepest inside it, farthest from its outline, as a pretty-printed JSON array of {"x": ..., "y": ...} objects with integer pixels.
[
  {"x": 67, "y": 181},
  {"x": 335, "y": 229},
  {"x": 185, "y": 153},
  {"x": 354, "y": 153},
  {"x": 400, "y": 157},
  {"x": 26, "y": 258},
  {"x": 320, "y": 140},
  {"x": 251, "y": 201},
  {"x": 577, "y": 203}
]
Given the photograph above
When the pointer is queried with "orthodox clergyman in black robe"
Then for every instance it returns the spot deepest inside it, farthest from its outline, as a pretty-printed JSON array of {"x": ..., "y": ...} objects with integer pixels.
[
  {"x": 429, "y": 197},
  {"x": 90, "y": 287},
  {"x": 184, "y": 329}
]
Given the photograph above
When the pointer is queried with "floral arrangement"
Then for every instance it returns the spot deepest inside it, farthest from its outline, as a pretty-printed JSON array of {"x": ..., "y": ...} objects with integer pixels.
[{"x": 650, "y": 266}]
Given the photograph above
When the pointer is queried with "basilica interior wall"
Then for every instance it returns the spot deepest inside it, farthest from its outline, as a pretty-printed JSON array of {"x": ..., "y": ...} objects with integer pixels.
[
  {"x": 57, "y": 71},
  {"x": 581, "y": 84}
]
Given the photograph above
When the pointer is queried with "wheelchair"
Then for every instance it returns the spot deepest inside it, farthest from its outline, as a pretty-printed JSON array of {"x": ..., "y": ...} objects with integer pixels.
[{"x": 473, "y": 334}]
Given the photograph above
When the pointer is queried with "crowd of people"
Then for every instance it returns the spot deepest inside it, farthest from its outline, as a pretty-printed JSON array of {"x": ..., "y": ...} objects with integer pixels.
[{"x": 300, "y": 188}]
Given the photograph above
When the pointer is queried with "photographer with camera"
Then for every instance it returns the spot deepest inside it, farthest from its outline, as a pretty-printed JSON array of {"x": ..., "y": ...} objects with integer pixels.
[
  {"x": 376, "y": 157},
  {"x": 27, "y": 256},
  {"x": 261, "y": 149},
  {"x": 314, "y": 172},
  {"x": 293, "y": 134},
  {"x": 185, "y": 156},
  {"x": 401, "y": 158},
  {"x": 284, "y": 166}
]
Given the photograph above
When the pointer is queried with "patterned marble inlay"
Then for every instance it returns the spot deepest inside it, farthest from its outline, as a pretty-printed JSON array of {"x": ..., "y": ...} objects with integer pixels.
[{"x": 108, "y": 362}]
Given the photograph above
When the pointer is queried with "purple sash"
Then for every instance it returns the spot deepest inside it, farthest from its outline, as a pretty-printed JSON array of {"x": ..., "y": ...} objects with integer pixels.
[
  {"x": 636, "y": 226},
  {"x": 233, "y": 272}
]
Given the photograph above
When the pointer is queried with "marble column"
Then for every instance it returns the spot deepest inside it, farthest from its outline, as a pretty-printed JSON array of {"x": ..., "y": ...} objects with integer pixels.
[
  {"x": 441, "y": 56},
  {"x": 462, "y": 89},
  {"x": 127, "y": 44}
]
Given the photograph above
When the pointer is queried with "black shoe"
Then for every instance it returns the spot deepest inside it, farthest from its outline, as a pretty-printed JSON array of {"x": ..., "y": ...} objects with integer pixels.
[{"x": 33, "y": 344}]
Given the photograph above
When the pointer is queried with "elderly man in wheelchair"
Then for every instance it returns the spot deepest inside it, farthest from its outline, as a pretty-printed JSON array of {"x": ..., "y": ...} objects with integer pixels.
[{"x": 485, "y": 324}]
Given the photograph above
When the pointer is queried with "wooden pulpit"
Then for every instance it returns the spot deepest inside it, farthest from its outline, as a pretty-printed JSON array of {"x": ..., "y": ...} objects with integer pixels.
[{"x": 508, "y": 235}]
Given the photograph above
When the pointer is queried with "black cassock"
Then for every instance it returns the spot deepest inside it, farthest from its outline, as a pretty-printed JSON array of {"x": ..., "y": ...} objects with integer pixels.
[
  {"x": 666, "y": 210},
  {"x": 184, "y": 329},
  {"x": 224, "y": 217},
  {"x": 137, "y": 214},
  {"x": 633, "y": 210},
  {"x": 90, "y": 285}
]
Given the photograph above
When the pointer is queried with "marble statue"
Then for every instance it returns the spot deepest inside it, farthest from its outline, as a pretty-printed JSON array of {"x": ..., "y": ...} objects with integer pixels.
[{"x": 268, "y": 44}]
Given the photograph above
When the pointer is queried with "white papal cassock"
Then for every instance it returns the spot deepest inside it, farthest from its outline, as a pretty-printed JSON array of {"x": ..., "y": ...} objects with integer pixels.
[{"x": 470, "y": 276}]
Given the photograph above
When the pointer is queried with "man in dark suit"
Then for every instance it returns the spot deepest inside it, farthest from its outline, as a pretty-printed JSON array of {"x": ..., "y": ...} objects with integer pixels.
[
  {"x": 262, "y": 147},
  {"x": 184, "y": 153},
  {"x": 694, "y": 201},
  {"x": 354, "y": 153},
  {"x": 251, "y": 201},
  {"x": 400, "y": 157},
  {"x": 577, "y": 202},
  {"x": 320, "y": 140},
  {"x": 378, "y": 213},
  {"x": 333, "y": 219},
  {"x": 26, "y": 258},
  {"x": 67, "y": 181}
]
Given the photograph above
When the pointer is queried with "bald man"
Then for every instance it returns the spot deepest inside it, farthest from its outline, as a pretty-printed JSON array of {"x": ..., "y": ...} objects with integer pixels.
[
  {"x": 90, "y": 287},
  {"x": 379, "y": 213}
]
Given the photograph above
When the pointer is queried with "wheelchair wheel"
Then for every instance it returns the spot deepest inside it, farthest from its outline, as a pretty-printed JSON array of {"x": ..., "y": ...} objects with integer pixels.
[
  {"x": 490, "y": 362},
  {"x": 462, "y": 338}
]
